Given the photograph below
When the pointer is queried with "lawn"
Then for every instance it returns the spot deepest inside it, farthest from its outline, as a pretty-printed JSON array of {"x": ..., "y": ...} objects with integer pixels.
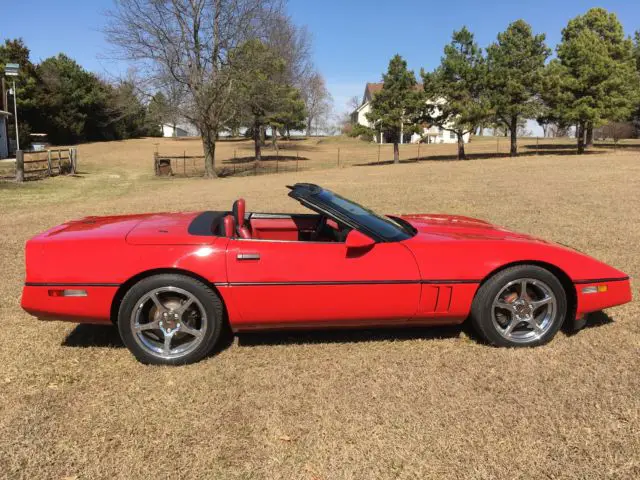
[{"x": 423, "y": 403}]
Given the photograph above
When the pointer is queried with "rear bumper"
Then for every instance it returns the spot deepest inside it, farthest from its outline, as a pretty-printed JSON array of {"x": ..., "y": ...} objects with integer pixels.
[
  {"x": 94, "y": 307},
  {"x": 618, "y": 292}
]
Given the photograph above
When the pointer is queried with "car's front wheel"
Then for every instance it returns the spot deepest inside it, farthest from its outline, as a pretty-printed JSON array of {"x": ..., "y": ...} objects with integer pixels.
[
  {"x": 521, "y": 306},
  {"x": 170, "y": 320}
]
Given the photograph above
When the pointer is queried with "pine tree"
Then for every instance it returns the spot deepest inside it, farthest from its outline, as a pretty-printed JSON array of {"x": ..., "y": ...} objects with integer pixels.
[
  {"x": 594, "y": 79},
  {"x": 396, "y": 105},
  {"x": 515, "y": 66},
  {"x": 456, "y": 90},
  {"x": 259, "y": 92}
]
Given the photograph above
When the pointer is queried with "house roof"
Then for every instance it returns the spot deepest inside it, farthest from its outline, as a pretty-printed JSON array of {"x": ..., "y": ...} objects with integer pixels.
[{"x": 373, "y": 88}]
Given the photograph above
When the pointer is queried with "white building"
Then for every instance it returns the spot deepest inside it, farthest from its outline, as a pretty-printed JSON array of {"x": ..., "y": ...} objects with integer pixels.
[
  {"x": 179, "y": 130},
  {"x": 430, "y": 133},
  {"x": 4, "y": 141}
]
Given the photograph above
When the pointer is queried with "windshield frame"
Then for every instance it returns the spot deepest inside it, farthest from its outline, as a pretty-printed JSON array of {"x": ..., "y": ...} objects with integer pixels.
[{"x": 315, "y": 198}]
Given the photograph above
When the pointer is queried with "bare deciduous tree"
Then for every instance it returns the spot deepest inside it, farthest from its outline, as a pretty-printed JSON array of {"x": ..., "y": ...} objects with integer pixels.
[
  {"x": 353, "y": 103},
  {"x": 317, "y": 99},
  {"x": 293, "y": 44},
  {"x": 191, "y": 41}
]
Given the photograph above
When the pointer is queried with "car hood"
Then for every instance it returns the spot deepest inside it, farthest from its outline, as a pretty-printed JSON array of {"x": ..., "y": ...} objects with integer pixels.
[
  {"x": 463, "y": 228},
  {"x": 143, "y": 229}
]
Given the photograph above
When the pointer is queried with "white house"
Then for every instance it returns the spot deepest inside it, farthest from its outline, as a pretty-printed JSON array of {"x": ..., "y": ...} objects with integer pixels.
[
  {"x": 430, "y": 133},
  {"x": 178, "y": 130},
  {"x": 4, "y": 141}
]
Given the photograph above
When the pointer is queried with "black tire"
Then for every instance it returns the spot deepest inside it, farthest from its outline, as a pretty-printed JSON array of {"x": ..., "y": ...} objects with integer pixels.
[
  {"x": 482, "y": 309},
  {"x": 205, "y": 298}
]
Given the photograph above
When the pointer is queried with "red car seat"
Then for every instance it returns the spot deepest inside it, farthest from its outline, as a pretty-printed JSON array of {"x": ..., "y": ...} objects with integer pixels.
[
  {"x": 229, "y": 226},
  {"x": 238, "y": 210}
]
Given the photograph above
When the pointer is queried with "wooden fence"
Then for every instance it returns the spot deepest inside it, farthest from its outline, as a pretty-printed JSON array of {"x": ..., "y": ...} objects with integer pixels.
[{"x": 46, "y": 163}]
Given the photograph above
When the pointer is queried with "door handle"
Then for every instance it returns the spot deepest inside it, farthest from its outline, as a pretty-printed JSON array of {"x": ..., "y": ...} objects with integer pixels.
[{"x": 248, "y": 256}]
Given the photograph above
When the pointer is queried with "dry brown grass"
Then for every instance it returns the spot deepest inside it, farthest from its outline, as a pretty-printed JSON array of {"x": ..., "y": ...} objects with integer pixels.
[{"x": 429, "y": 403}]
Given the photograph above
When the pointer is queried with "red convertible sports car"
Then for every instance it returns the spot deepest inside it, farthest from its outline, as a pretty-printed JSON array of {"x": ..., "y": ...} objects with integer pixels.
[{"x": 173, "y": 281}]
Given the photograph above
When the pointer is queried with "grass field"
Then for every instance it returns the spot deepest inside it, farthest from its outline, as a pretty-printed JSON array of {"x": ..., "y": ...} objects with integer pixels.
[{"x": 425, "y": 403}]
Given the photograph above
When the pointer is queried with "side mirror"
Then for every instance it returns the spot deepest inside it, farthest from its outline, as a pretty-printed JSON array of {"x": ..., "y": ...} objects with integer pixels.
[{"x": 356, "y": 239}]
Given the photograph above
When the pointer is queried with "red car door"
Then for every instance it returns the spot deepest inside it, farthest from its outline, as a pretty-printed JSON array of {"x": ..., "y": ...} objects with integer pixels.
[{"x": 287, "y": 283}]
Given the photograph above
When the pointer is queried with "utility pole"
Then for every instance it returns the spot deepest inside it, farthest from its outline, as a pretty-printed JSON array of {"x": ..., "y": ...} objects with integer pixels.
[{"x": 11, "y": 70}]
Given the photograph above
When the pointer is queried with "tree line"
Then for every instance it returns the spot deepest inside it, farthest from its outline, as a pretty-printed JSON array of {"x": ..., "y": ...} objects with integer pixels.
[
  {"x": 224, "y": 65},
  {"x": 60, "y": 98},
  {"x": 593, "y": 79}
]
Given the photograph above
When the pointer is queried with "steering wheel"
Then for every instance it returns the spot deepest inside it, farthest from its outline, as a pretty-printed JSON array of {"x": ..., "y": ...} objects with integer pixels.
[{"x": 319, "y": 228}]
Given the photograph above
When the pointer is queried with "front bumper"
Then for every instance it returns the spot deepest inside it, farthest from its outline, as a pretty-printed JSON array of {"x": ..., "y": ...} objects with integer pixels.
[{"x": 618, "y": 292}]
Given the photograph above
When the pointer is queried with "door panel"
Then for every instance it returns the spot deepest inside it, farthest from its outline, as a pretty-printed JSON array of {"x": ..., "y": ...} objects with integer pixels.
[{"x": 305, "y": 283}]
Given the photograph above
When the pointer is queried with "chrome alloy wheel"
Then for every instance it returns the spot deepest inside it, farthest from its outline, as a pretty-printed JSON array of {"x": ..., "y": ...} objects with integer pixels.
[
  {"x": 169, "y": 322},
  {"x": 524, "y": 310}
]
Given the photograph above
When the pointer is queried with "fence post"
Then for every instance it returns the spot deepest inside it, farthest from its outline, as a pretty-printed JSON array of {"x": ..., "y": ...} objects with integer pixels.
[
  {"x": 74, "y": 165},
  {"x": 378, "y": 153},
  {"x": 155, "y": 163},
  {"x": 537, "y": 146},
  {"x": 49, "y": 162},
  {"x": 418, "y": 150},
  {"x": 276, "y": 163},
  {"x": 19, "y": 166},
  {"x": 59, "y": 162}
]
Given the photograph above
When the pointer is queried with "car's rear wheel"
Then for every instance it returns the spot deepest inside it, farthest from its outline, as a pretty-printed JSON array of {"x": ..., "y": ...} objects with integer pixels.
[
  {"x": 170, "y": 320},
  {"x": 521, "y": 306}
]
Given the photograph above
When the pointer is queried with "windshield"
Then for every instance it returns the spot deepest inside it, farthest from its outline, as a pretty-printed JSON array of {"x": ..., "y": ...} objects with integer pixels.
[{"x": 384, "y": 227}]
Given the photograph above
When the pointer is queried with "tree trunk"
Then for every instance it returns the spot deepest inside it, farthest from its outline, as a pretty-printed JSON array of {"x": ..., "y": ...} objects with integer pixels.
[
  {"x": 256, "y": 142},
  {"x": 396, "y": 152},
  {"x": 513, "y": 128},
  {"x": 589, "y": 135},
  {"x": 209, "y": 147},
  {"x": 309, "y": 121},
  {"x": 274, "y": 138},
  {"x": 263, "y": 135},
  {"x": 580, "y": 136},
  {"x": 461, "y": 154}
]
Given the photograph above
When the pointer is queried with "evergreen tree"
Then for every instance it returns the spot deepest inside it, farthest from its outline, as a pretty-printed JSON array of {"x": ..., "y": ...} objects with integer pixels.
[
  {"x": 291, "y": 115},
  {"x": 259, "y": 92},
  {"x": 515, "y": 66},
  {"x": 594, "y": 79},
  {"x": 15, "y": 51},
  {"x": 394, "y": 108},
  {"x": 636, "y": 48},
  {"x": 455, "y": 91}
]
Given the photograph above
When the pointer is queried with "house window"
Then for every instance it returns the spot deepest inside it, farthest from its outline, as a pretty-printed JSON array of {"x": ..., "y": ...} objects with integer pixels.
[{"x": 453, "y": 136}]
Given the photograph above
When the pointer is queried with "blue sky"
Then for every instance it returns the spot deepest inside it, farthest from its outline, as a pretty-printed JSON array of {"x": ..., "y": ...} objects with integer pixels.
[{"x": 353, "y": 39}]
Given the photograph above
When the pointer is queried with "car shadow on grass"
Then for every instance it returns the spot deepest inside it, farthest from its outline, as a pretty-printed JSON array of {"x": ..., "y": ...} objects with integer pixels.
[
  {"x": 88, "y": 335},
  {"x": 107, "y": 336},
  {"x": 592, "y": 320}
]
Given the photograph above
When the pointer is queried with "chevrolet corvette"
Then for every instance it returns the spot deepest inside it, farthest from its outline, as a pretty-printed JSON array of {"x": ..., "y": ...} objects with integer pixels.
[{"x": 172, "y": 282}]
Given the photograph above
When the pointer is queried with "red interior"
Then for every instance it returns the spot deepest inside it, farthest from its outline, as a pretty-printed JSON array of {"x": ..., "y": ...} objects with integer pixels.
[
  {"x": 289, "y": 227},
  {"x": 282, "y": 228}
]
